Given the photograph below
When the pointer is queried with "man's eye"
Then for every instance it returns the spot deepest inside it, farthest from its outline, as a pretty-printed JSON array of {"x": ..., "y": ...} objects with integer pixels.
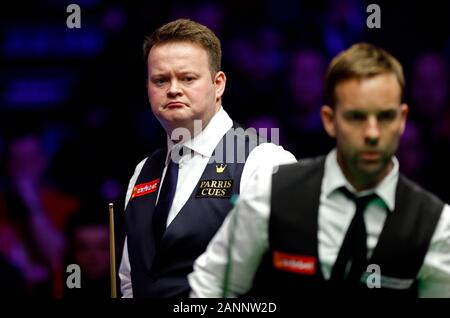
[
  {"x": 188, "y": 79},
  {"x": 387, "y": 116},
  {"x": 356, "y": 116},
  {"x": 159, "y": 81}
]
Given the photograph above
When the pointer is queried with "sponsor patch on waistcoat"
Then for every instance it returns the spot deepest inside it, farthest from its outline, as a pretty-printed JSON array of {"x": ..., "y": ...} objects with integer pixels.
[
  {"x": 294, "y": 263},
  {"x": 214, "y": 189},
  {"x": 145, "y": 188}
]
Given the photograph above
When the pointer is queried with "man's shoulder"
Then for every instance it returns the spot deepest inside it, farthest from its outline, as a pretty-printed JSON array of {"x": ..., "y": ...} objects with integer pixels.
[
  {"x": 156, "y": 155},
  {"x": 306, "y": 163},
  {"x": 272, "y": 153},
  {"x": 270, "y": 147},
  {"x": 415, "y": 190},
  {"x": 303, "y": 171}
]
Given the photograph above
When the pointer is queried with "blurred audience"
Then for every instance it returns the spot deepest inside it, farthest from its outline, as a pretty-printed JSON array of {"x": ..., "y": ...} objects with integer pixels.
[
  {"x": 32, "y": 216},
  {"x": 430, "y": 93},
  {"x": 274, "y": 52},
  {"x": 430, "y": 108},
  {"x": 87, "y": 233},
  {"x": 412, "y": 154},
  {"x": 343, "y": 25},
  {"x": 269, "y": 127},
  {"x": 302, "y": 101},
  {"x": 11, "y": 279}
]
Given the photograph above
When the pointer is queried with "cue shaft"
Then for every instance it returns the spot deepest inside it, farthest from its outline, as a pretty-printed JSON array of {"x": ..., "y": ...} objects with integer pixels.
[{"x": 112, "y": 251}]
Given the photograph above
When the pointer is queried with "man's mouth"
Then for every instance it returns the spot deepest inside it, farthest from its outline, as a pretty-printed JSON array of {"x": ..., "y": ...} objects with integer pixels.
[
  {"x": 174, "y": 105},
  {"x": 370, "y": 155}
]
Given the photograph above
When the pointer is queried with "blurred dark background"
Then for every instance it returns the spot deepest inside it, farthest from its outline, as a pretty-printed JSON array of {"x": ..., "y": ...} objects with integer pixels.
[{"x": 75, "y": 120}]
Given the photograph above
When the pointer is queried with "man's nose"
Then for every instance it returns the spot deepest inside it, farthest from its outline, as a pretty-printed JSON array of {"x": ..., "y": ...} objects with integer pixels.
[
  {"x": 174, "y": 88},
  {"x": 372, "y": 131}
]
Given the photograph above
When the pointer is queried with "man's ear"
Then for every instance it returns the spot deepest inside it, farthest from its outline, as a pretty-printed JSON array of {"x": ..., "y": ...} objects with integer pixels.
[
  {"x": 327, "y": 115},
  {"x": 219, "y": 82},
  {"x": 404, "y": 110}
]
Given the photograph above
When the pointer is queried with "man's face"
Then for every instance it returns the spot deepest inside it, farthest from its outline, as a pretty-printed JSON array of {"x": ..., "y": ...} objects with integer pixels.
[
  {"x": 92, "y": 250},
  {"x": 367, "y": 123},
  {"x": 180, "y": 87}
]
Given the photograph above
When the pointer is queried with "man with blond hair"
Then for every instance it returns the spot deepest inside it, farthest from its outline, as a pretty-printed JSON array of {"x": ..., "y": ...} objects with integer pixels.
[
  {"x": 179, "y": 196},
  {"x": 345, "y": 223}
]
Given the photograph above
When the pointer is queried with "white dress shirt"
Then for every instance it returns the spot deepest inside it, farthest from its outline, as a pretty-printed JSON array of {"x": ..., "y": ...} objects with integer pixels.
[
  {"x": 248, "y": 223},
  {"x": 191, "y": 168}
]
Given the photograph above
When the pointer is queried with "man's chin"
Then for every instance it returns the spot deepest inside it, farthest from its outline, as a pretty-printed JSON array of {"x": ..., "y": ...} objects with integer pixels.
[
  {"x": 178, "y": 119},
  {"x": 372, "y": 170}
]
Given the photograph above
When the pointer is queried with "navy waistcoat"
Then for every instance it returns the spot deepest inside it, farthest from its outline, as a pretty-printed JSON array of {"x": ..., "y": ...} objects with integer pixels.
[{"x": 162, "y": 271}]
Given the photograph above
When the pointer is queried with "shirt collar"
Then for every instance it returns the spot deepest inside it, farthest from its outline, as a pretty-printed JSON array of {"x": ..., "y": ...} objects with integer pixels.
[
  {"x": 206, "y": 141},
  {"x": 334, "y": 179}
]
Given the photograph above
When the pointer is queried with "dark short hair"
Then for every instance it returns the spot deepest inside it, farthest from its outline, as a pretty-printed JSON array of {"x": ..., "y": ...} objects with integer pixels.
[
  {"x": 185, "y": 30},
  {"x": 361, "y": 60}
]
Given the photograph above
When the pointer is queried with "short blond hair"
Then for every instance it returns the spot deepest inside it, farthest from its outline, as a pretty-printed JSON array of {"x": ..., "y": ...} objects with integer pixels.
[
  {"x": 185, "y": 30},
  {"x": 361, "y": 60}
]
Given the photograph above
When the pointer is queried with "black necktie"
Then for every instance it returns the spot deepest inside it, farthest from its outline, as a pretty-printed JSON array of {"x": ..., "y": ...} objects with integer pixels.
[
  {"x": 165, "y": 200},
  {"x": 354, "y": 248}
]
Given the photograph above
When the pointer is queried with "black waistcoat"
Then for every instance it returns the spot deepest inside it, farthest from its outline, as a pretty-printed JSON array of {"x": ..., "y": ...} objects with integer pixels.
[{"x": 293, "y": 241}]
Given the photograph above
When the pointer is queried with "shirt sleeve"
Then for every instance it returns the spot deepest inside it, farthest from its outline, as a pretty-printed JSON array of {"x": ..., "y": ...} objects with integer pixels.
[
  {"x": 242, "y": 240},
  {"x": 267, "y": 156},
  {"x": 125, "y": 274},
  {"x": 434, "y": 276},
  {"x": 125, "y": 267}
]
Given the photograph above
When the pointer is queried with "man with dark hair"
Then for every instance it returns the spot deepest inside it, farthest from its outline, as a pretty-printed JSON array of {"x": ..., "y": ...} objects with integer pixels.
[
  {"x": 345, "y": 223},
  {"x": 87, "y": 234},
  {"x": 179, "y": 196},
  {"x": 32, "y": 215}
]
